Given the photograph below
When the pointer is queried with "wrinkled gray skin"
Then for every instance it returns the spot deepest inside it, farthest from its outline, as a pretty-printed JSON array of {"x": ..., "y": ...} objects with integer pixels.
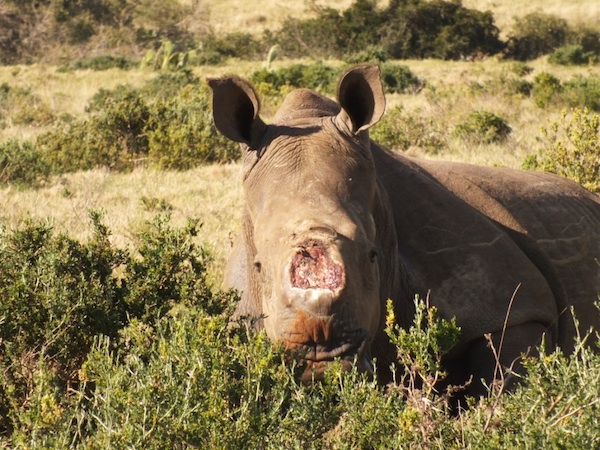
[{"x": 334, "y": 225}]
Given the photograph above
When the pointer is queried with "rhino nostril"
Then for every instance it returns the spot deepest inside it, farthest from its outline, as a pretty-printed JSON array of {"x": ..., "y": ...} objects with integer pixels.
[{"x": 313, "y": 268}]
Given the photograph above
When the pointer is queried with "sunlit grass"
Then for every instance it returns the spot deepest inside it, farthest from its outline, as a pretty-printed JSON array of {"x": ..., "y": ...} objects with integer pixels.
[{"x": 211, "y": 194}]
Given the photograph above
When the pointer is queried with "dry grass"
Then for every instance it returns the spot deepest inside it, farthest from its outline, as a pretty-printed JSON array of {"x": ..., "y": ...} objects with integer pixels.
[
  {"x": 210, "y": 194},
  {"x": 259, "y": 15},
  {"x": 574, "y": 11}
]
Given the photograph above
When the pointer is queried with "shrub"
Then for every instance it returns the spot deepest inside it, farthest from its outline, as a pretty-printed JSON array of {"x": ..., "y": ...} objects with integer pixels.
[
  {"x": 181, "y": 134},
  {"x": 484, "y": 126},
  {"x": 572, "y": 149},
  {"x": 536, "y": 34},
  {"x": 322, "y": 78},
  {"x": 582, "y": 92},
  {"x": 437, "y": 28},
  {"x": 371, "y": 55},
  {"x": 546, "y": 88},
  {"x": 103, "y": 62},
  {"x": 167, "y": 123},
  {"x": 315, "y": 76},
  {"x": 445, "y": 30},
  {"x": 57, "y": 294},
  {"x": 113, "y": 136},
  {"x": 519, "y": 86},
  {"x": 167, "y": 85},
  {"x": 589, "y": 40},
  {"x": 21, "y": 164},
  {"x": 23, "y": 107},
  {"x": 170, "y": 271},
  {"x": 400, "y": 130},
  {"x": 521, "y": 69},
  {"x": 573, "y": 54},
  {"x": 236, "y": 44},
  {"x": 86, "y": 364},
  {"x": 398, "y": 78}
]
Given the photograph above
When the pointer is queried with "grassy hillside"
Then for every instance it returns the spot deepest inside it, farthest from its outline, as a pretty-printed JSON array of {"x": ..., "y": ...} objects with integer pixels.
[
  {"x": 453, "y": 91},
  {"x": 236, "y": 15}
]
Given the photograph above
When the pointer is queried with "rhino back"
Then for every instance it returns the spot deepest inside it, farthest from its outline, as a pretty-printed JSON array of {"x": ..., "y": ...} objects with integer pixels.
[
  {"x": 475, "y": 236},
  {"x": 554, "y": 221}
]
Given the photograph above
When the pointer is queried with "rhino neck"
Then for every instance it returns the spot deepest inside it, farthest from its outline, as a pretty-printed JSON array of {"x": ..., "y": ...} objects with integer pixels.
[{"x": 395, "y": 284}]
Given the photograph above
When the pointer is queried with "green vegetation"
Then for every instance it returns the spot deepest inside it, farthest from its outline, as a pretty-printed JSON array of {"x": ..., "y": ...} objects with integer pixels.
[
  {"x": 402, "y": 130},
  {"x": 580, "y": 91},
  {"x": 165, "y": 124},
  {"x": 396, "y": 78},
  {"x": 572, "y": 149},
  {"x": 483, "y": 126},
  {"x": 437, "y": 29},
  {"x": 105, "y": 347},
  {"x": 175, "y": 34}
]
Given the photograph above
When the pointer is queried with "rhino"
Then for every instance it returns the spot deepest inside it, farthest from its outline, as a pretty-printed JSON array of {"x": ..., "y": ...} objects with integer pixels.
[{"x": 334, "y": 225}]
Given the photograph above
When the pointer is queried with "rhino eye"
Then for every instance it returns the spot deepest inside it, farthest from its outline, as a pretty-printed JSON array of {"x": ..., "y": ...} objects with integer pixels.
[
  {"x": 257, "y": 266},
  {"x": 373, "y": 255}
]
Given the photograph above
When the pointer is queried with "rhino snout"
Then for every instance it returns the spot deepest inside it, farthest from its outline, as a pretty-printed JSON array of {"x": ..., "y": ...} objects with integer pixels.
[
  {"x": 312, "y": 267},
  {"x": 316, "y": 278}
]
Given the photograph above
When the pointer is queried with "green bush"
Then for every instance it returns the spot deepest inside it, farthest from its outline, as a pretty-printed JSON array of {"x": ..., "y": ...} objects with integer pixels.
[
  {"x": 521, "y": 69},
  {"x": 22, "y": 107},
  {"x": 484, "y": 126},
  {"x": 170, "y": 271},
  {"x": 420, "y": 29},
  {"x": 373, "y": 55},
  {"x": 573, "y": 54},
  {"x": 181, "y": 134},
  {"x": 113, "y": 136},
  {"x": 589, "y": 39},
  {"x": 317, "y": 76},
  {"x": 166, "y": 123},
  {"x": 236, "y": 44},
  {"x": 519, "y": 86},
  {"x": 21, "y": 164},
  {"x": 56, "y": 295},
  {"x": 323, "y": 78},
  {"x": 546, "y": 88},
  {"x": 572, "y": 149},
  {"x": 582, "y": 92},
  {"x": 400, "y": 130},
  {"x": 103, "y": 62},
  {"x": 102, "y": 348},
  {"x": 443, "y": 29},
  {"x": 167, "y": 85},
  {"x": 59, "y": 296},
  {"x": 536, "y": 34},
  {"x": 398, "y": 78},
  {"x": 579, "y": 92}
]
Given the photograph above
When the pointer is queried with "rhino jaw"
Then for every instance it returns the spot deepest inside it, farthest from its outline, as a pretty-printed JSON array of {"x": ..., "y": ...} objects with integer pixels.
[
  {"x": 319, "y": 340},
  {"x": 349, "y": 355}
]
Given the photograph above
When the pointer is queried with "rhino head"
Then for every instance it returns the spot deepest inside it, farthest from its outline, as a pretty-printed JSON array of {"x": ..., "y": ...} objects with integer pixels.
[{"x": 317, "y": 255}]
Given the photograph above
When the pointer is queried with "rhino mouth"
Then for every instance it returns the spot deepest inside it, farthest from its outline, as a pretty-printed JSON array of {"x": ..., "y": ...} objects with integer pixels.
[{"x": 317, "y": 357}]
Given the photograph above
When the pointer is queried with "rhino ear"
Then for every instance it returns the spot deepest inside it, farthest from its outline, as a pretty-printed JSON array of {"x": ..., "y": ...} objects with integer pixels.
[
  {"x": 361, "y": 96},
  {"x": 235, "y": 110}
]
